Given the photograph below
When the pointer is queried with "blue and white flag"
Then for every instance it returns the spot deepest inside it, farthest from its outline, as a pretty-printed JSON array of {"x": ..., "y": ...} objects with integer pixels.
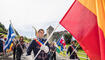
[{"x": 11, "y": 35}]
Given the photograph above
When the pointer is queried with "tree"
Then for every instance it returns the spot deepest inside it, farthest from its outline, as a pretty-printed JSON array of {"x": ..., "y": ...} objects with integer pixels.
[
  {"x": 67, "y": 38},
  {"x": 27, "y": 39},
  {"x": 3, "y": 29}
]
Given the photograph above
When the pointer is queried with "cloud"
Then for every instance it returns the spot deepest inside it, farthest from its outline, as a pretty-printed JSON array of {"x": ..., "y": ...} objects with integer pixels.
[{"x": 27, "y": 13}]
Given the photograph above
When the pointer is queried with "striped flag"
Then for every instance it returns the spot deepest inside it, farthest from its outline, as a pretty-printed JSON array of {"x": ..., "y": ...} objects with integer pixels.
[
  {"x": 85, "y": 20},
  {"x": 39, "y": 42},
  {"x": 59, "y": 44},
  {"x": 10, "y": 37}
]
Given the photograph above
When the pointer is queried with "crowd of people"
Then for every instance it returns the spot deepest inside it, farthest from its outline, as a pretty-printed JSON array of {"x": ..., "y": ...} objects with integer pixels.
[{"x": 48, "y": 51}]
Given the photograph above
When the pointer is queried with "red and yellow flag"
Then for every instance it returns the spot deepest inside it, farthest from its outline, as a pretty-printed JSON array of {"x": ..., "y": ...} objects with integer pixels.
[
  {"x": 85, "y": 20},
  {"x": 11, "y": 48}
]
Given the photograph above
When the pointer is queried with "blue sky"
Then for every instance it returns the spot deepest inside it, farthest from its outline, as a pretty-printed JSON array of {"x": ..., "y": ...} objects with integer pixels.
[{"x": 27, "y": 13}]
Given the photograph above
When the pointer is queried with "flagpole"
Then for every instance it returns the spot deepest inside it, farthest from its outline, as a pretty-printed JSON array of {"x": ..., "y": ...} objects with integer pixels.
[
  {"x": 16, "y": 35},
  {"x": 47, "y": 40},
  {"x": 35, "y": 31}
]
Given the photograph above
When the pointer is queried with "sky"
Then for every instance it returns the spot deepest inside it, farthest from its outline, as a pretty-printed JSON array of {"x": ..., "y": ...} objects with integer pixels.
[{"x": 38, "y": 13}]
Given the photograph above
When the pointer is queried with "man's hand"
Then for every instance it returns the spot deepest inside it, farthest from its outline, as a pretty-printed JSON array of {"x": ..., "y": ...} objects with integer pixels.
[{"x": 45, "y": 48}]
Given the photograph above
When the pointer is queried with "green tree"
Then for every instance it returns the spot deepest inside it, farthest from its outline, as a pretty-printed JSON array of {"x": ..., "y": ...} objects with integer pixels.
[
  {"x": 3, "y": 29},
  {"x": 68, "y": 38},
  {"x": 27, "y": 39}
]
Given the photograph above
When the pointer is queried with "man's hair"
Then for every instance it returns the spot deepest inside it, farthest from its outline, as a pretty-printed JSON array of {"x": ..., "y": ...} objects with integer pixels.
[
  {"x": 40, "y": 30},
  {"x": 21, "y": 36}
]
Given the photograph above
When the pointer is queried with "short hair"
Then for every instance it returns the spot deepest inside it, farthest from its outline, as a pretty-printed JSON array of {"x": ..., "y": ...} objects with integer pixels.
[
  {"x": 40, "y": 30},
  {"x": 21, "y": 36}
]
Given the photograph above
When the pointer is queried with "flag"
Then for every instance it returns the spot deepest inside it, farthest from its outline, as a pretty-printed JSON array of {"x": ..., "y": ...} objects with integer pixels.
[
  {"x": 62, "y": 41},
  {"x": 57, "y": 48},
  {"x": 11, "y": 35},
  {"x": 85, "y": 20},
  {"x": 10, "y": 49},
  {"x": 59, "y": 44}
]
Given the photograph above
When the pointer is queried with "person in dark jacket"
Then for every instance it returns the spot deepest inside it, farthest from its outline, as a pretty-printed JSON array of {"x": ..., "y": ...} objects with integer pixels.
[
  {"x": 14, "y": 51},
  {"x": 1, "y": 43},
  {"x": 52, "y": 51},
  {"x": 14, "y": 48},
  {"x": 19, "y": 48},
  {"x": 71, "y": 49},
  {"x": 35, "y": 47}
]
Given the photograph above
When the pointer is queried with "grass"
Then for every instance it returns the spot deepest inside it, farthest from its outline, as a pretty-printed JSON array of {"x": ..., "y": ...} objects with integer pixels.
[{"x": 82, "y": 55}]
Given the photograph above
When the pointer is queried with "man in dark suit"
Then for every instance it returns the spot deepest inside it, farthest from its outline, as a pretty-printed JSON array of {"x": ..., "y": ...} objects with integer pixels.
[{"x": 43, "y": 55}]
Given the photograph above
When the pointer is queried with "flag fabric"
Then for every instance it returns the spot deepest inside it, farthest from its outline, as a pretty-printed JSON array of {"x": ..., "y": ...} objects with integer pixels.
[
  {"x": 62, "y": 41},
  {"x": 61, "y": 47},
  {"x": 39, "y": 42},
  {"x": 57, "y": 48},
  {"x": 10, "y": 49},
  {"x": 11, "y": 35},
  {"x": 59, "y": 44},
  {"x": 85, "y": 20}
]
